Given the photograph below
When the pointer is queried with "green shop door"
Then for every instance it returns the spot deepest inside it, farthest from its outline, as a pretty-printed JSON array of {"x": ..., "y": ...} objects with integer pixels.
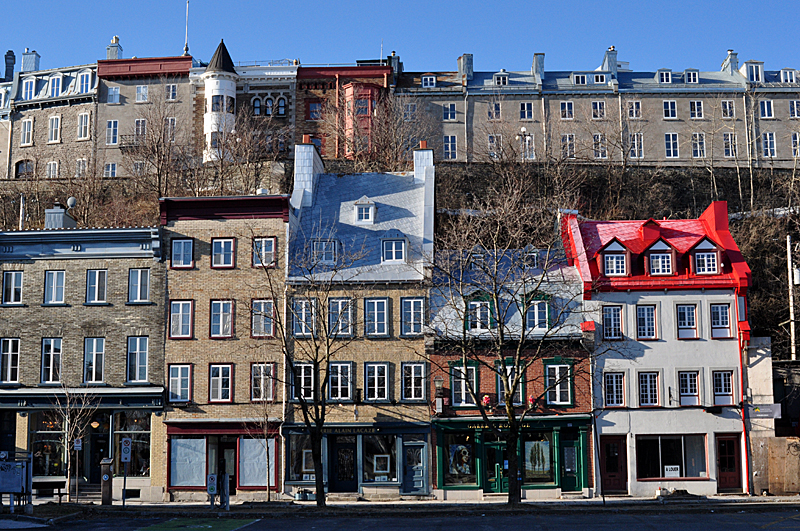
[
  {"x": 570, "y": 466},
  {"x": 496, "y": 467}
]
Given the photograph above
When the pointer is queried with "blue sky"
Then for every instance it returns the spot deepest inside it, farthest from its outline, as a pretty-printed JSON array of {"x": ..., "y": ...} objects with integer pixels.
[{"x": 428, "y": 35}]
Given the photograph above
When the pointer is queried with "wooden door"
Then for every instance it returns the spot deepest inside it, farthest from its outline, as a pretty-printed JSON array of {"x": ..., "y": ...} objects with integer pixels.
[
  {"x": 613, "y": 464},
  {"x": 729, "y": 470}
]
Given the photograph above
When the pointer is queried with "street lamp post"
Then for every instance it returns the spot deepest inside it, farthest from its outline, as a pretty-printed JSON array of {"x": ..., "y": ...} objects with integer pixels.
[{"x": 523, "y": 137}]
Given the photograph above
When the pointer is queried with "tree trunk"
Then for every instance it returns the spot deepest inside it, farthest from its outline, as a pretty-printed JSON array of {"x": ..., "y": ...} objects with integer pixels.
[
  {"x": 316, "y": 454},
  {"x": 514, "y": 473}
]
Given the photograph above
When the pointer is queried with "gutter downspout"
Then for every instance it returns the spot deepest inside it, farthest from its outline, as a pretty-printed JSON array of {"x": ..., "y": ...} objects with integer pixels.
[
  {"x": 544, "y": 125},
  {"x": 466, "y": 126},
  {"x": 621, "y": 130}
]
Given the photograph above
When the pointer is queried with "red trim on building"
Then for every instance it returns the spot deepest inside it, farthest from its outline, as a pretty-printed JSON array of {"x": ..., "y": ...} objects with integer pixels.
[
  {"x": 145, "y": 67},
  {"x": 241, "y": 207}
]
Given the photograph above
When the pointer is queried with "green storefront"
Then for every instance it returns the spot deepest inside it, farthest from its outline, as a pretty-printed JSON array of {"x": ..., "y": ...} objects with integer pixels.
[{"x": 554, "y": 452}]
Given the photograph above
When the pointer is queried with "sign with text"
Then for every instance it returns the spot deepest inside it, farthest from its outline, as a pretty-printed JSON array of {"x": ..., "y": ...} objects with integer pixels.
[
  {"x": 764, "y": 411},
  {"x": 125, "y": 451},
  {"x": 78, "y": 444},
  {"x": 672, "y": 471}
]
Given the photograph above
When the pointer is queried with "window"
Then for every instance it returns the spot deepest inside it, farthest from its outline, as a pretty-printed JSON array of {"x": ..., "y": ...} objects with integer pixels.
[
  {"x": 526, "y": 110},
  {"x": 729, "y": 144},
  {"x": 794, "y": 109},
  {"x": 464, "y": 378},
  {"x": 567, "y": 110},
  {"x": 671, "y": 456},
  {"x": 93, "y": 352},
  {"x": 221, "y": 319},
  {"x": 80, "y": 168},
  {"x": 579, "y": 79},
  {"x": 698, "y": 145},
  {"x": 54, "y": 129},
  {"x": 84, "y": 82},
  {"x": 501, "y": 80},
  {"x": 495, "y": 146},
  {"x": 614, "y": 389},
  {"x": 660, "y": 264},
  {"x": 409, "y": 112},
  {"x": 598, "y": 110},
  {"x": 687, "y": 385},
  {"x": 705, "y": 263},
  {"x": 377, "y": 381},
  {"x": 28, "y": 89},
  {"x": 303, "y": 381},
  {"x": 263, "y": 252},
  {"x": 527, "y": 147},
  {"x": 83, "y": 126},
  {"x": 26, "y": 130},
  {"x": 180, "y": 319},
  {"x": 728, "y": 109},
  {"x": 141, "y": 93},
  {"x": 222, "y": 253},
  {"x": 182, "y": 254},
  {"x": 670, "y": 109},
  {"x": 12, "y": 287},
  {"x": 9, "y": 365},
  {"x": 376, "y": 313},
  {"x": 96, "y": 286},
  {"x": 599, "y": 78},
  {"x": 754, "y": 73},
  {"x": 428, "y": 81},
  {"x": 612, "y": 322},
  {"x": 448, "y": 111},
  {"x": 723, "y": 388},
  {"x": 304, "y": 321},
  {"x": 139, "y": 285},
  {"x": 281, "y": 107},
  {"x": 394, "y": 250},
  {"x": 314, "y": 111},
  {"x": 51, "y": 360},
  {"x": 137, "y": 359},
  {"x": 696, "y": 110},
  {"x": 413, "y": 381},
  {"x": 179, "y": 380},
  {"x": 139, "y": 128},
  {"x": 110, "y": 170},
  {"x": 687, "y": 322},
  {"x": 217, "y": 103},
  {"x": 54, "y": 287},
  {"x": 171, "y": 92},
  {"x": 787, "y": 76},
  {"x": 796, "y": 145},
  {"x": 558, "y": 384},
  {"x": 364, "y": 214},
  {"x": 648, "y": 388},
  {"x": 324, "y": 251},
  {"x": 138, "y": 167},
  {"x": 636, "y": 145},
  {"x": 691, "y": 77},
  {"x": 479, "y": 316},
  {"x": 766, "y": 109},
  {"x": 646, "y": 322},
  {"x": 262, "y": 318},
  {"x": 671, "y": 145},
  {"x": 111, "y": 132},
  {"x": 568, "y": 146},
  {"x": 665, "y": 77},
  {"x": 599, "y": 146},
  {"x": 449, "y": 144},
  {"x": 614, "y": 264},
  {"x": 113, "y": 95},
  {"x": 768, "y": 141},
  {"x": 362, "y": 107},
  {"x": 720, "y": 320},
  {"x": 339, "y": 381},
  {"x": 536, "y": 315},
  {"x": 412, "y": 316},
  {"x": 256, "y": 107},
  {"x": 634, "y": 110},
  {"x": 262, "y": 382},
  {"x": 340, "y": 317},
  {"x": 494, "y": 111},
  {"x": 219, "y": 383}
]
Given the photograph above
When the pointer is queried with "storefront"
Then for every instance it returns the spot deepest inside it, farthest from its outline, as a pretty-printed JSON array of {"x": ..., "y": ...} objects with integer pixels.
[
  {"x": 197, "y": 448},
  {"x": 375, "y": 460},
  {"x": 553, "y": 453}
]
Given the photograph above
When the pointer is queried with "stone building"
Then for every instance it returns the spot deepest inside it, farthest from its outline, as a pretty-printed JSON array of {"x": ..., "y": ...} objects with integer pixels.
[
  {"x": 82, "y": 313},
  {"x": 226, "y": 271}
]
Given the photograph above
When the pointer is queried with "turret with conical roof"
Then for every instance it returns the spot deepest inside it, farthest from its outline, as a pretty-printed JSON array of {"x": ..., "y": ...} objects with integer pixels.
[
  {"x": 221, "y": 60},
  {"x": 219, "y": 80}
]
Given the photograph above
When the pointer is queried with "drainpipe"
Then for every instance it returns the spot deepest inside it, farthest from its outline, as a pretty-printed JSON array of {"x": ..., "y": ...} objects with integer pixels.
[
  {"x": 544, "y": 127},
  {"x": 466, "y": 128},
  {"x": 621, "y": 129}
]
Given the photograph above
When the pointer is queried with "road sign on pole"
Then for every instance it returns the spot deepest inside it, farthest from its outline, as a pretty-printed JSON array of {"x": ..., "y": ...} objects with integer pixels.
[
  {"x": 125, "y": 451},
  {"x": 78, "y": 443}
]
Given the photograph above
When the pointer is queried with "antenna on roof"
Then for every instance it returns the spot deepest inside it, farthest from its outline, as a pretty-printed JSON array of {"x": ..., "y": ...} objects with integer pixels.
[
  {"x": 381, "y": 55},
  {"x": 186, "y": 45}
]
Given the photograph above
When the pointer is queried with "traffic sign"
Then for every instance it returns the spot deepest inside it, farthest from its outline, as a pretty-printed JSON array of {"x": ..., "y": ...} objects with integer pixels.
[
  {"x": 78, "y": 443},
  {"x": 125, "y": 451},
  {"x": 212, "y": 483}
]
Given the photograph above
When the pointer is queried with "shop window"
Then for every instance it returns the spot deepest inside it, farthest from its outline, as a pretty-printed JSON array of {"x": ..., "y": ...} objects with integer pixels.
[
  {"x": 538, "y": 457},
  {"x": 301, "y": 462},
  {"x": 187, "y": 461},
  {"x": 459, "y": 455},
  {"x": 133, "y": 425},
  {"x": 380, "y": 458},
  {"x": 674, "y": 456},
  {"x": 47, "y": 446},
  {"x": 256, "y": 462}
]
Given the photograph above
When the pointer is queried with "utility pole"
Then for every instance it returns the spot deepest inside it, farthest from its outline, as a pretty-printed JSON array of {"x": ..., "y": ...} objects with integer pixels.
[{"x": 791, "y": 296}]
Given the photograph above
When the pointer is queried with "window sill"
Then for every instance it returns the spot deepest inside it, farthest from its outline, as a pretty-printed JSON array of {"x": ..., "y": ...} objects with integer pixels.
[
  {"x": 56, "y": 304},
  {"x": 413, "y": 401},
  {"x": 688, "y": 338},
  {"x": 647, "y": 339},
  {"x": 380, "y": 402},
  {"x": 142, "y": 383},
  {"x": 10, "y": 384},
  {"x": 382, "y": 336},
  {"x": 228, "y": 267},
  {"x": 97, "y": 304},
  {"x": 181, "y": 338},
  {"x": 186, "y": 267},
  {"x": 94, "y": 384},
  {"x": 218, "y": 338},
  {"x": 673, "y": 479},
  {"x": 54, "y": 142},
  {"x": 13, "y": 305},
  {"x": 262, "y": 337},
  {"x": 140, "y": 303}
]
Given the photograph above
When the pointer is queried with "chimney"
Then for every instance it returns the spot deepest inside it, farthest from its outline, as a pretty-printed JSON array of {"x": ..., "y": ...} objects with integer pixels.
[
  {"x": 58, "y": 218},
  {"x": 610, "y": 61},
  {"x": 114, "y": 50},
  {"x": 731, "y": 62},
  {"x": 465, "y": 68},
  {"x": 10, "y": 62},
  {"x": 538, "y": 66},
  {"x": 307, "y": 168},
  {"x": 423, "y": 159},
  {"x": 30, "y": 61}
]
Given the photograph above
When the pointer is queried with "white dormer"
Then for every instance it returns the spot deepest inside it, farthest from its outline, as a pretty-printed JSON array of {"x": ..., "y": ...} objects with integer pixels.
[
  {"x": 428, "y": 81},
  {"x": 394, "y": 246},
  {"x": 500, "y": 79},
  {"x": 788, "y": 76},
  {"x": 707, "y": 258},
  {"x": 691, "y": 75},
  {"x": 55, "y": 85},
  {"x": 615, "y": 259},
  {"x": 753, "y": 71},
  {"x": 364, "y": 211},
  {"x": 664, "y": 75}
]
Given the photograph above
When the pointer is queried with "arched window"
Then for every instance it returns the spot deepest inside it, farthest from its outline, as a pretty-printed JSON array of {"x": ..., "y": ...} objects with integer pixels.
[
  {"x": 256, "y": 107},
  {"x": 24, "y": 169},
  {"x": 268, "y": 107},
  {"x": 281, "y": 107}
]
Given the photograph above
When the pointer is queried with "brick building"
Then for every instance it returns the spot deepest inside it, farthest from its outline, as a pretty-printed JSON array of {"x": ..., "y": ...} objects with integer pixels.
[
  {"x": 222, "y": 357},
  {"x": 82, "y": 314}
]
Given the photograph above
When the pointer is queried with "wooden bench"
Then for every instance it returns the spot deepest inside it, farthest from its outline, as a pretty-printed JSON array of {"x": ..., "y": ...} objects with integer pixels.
[{"x": 52, "y": 485}]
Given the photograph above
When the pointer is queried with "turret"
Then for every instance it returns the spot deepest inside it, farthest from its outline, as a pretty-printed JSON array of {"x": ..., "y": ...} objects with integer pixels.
[{"x": 220, "y": 102}]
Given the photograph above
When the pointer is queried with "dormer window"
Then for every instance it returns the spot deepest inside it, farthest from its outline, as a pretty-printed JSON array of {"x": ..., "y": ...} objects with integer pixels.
[
  {"x": 599, "y": 79},
  {"x": 364, "y": 211},
  {"x": 614, "y": 264},
  {"x": 691, "y": 76},
  {"x": 579, "y": 79},
  {"x": 706, "y": 263},
  {"x": 754, "y": 73},
  {"x": 788, "y": 76},
  {"x": 530, "y": 258},
  {"x": 428, "y": 81},
  {"x": 324, "y": 251},
  {"x": 394, "y": 250},
  {"x": 28, "y": 89},
  {"x": 660, "y": 264},
  {"x": 665, "y": 76},
  {"x": 501, "y": 80},
  {"x": 55, "y": 87}
]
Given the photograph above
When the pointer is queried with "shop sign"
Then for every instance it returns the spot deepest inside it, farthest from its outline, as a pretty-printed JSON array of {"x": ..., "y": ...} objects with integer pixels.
[
  {"x": 672, "y": 471},
  {"x": 764, "y": 411}
]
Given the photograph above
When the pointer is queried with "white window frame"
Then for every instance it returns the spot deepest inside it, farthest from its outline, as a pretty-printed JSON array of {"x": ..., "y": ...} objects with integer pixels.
[
  {"x": 96, "y": 286},
  {"x": 612, "y": 322},
  {"x": 788, "y": 76},
  {"x": 54, "y": 287},
  {"x": 537, "y": 314},
  {"x": 754, "y": 73},
  {"x": 671, "y": 146},
  {"x": 110, "y": 170},
  {"x": 51, "y": 360},
  {"x": 393, "y": 250},
  {"x": 262, "y": 382},
  {"x": 180, "y": 383},
  {"x": 598, "y": 110},
  {"x": 599, "y": 146},
  {"x": 54, "y": 130},
  {"x": 686, "y": 317},
  {"x": 51, "y": 170},
  {"x": 698, "y": 145},
  {"x": 221, "y": 318},
  {"x": 141, "y": 93},
  {"x": 112, "y": 97},
  {"x": 94, "y": 351},
  {"x": 795, "y": 145},
  {"x": 526, "y": 110},
  {"x": 670, "y": 110},
  {"x": 768, "y": 144},
  {"x": 364, "y": 214},
  {"x": 696, "y": 109},
  {"x": 528, "y": 147},
  {"x": 448, "y": 112},
  {"x": 261, "y": 256},
  {"x": 558, "y": 384},
  {"x": 579, "y": 79},
  {"x": 262, "y": 320},
  {"x": 412, "y": 315},
  {"x": 413, "y": 381},
  {"x": 171, "y": 92},
  {"x": 599, "y": 79},
  {"x": 728, "y": 110},
  {"x": 112, "y": 130},
  {"x": 766, "y": 109},
  {"x": 83, "y": 126},
  {"x": 222, "y": 253},
  {"x": 500, "y": 81},
  {"x": 220, "y": 383},
  {"x": 409, "y": 112},
  {"x": 80, "y": 168},
  {"x": 568, "y": 146},
  {"x": 140, "y": 128},
  {"x": 634, "y": 109},
  {"x": 494, "y": 110},
  {"x": 26, "y": 133},
  {"x": 567, "y": 110},
  {"x": 28, "y": 89},
  {"x": 376, "y": 317},
  {"x": 723, "y": 388},
  {"x": 138, "y": 285},
  {"x": 179, "y": 249},
  {"x": 730, "y": 148},
  {"x": 84, "y": 83},
  {"x": 664, "y": 76},
  {"x": 706, "y": 263},
  {"x": 12, "y": 287},
  {"x": 462, "y": 377},
  {"x": 660, "y": 263},
  {"x": 479, "y": 316},
  {"x": 340, "y": 317},
  {"x": 495, "y": 145},
  {"x": 614, "y": 389},
  {"x": 794, "y": 108},
  {"x": 323, "y": 251},
  {"x": 720, "y": 321},
  {"x": 340, "y": 381},
  {"x": 137, "y": 358},
  {"x": 180, "y": 317},
  {"x": 304, "y": 317},
  {"x": 376, "y": 385},
  {"x": 303, "y": 381},
  {"x": 646, "y": 323},
  {"x": 615, "y": 265},
  {"x": 9, "y": 360},
  {"x": 519, "y": 395},
  {"x": 648, "y": 389},
  {"x": 689, "y": 388},
  {"x": 692, "y": 77},
  {"x": 636, "y": 141},
  {"x": 428, "y": 81},
  {"x": 449, "y": 146}
]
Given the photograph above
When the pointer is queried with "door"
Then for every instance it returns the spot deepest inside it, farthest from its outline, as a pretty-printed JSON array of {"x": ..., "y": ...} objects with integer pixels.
[
  {"x": 729, "y": 475},
  {"x": 8, "y": 431},
  {"x": 227, "y": 462},
  {"x": 414, "y": 469},
  {"x": 496, "y": 468},
  {"x": 570, "y": 466},
  {"x": 98, "y": 452},
  {"x": 342, "y": 472},
  {"x": 613, "y": 464}
]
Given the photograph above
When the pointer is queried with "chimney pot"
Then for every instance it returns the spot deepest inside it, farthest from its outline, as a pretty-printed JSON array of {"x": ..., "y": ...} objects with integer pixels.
[
  {"x": 306, "y": 139},
  {"x": 423, "y": 144}
]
